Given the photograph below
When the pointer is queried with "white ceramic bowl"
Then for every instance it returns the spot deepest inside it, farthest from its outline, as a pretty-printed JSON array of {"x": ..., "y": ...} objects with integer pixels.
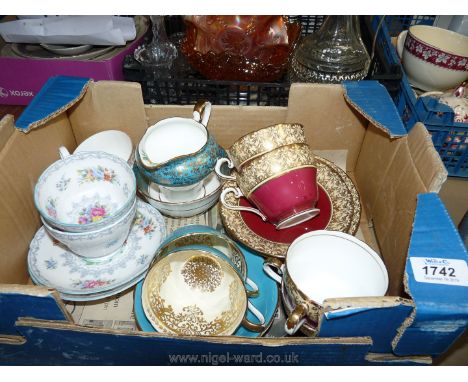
[
  {"x": 433, "y": 58},
  {"x": 97, "y": 243},
  {"x": 212, "y": 187},
  {"x": 114, "y": 142},
  {"x": 86, "y": 191}
]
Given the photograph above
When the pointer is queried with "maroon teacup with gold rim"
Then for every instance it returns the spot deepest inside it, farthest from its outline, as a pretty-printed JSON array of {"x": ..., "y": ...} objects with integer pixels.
[{"x": 282, "y": 184}]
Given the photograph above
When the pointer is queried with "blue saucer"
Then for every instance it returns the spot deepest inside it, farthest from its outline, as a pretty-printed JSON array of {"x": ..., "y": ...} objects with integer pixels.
[{"x": 266, "y": 301}]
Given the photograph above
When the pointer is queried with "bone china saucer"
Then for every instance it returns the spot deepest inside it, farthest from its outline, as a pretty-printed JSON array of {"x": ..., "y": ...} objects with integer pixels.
[
  {"x": 52, "y": 264},
  {"x": 338, "y": 201}
]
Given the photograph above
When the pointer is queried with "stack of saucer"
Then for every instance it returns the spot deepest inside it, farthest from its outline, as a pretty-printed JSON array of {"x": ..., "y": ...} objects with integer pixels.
[{"x": 97, "y": 238}]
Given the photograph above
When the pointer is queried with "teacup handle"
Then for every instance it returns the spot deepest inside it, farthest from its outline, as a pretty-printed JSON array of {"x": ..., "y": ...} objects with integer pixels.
[
  {"x": 401, "y": 43},
  {"x": 246, "y": 323},
  {"x": 238, "y": 194},
  {"x": 253, "y": 292},
  {"x": 218, "y": 171},
  {"x": 63, "y": 152},
  {"x": 202, "y": 112},
  {"x": 296, "y": 319},
  {"x": 274, "y": 268}
]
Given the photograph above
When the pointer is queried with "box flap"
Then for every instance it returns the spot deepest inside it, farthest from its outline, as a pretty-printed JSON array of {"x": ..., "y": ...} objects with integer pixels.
[
  {"x": 29, "y": 301},
  {"x": 364, "y": 317},
  {"x": 56, "y": 96},
  {"x": 371, "y": 99},
  {"x": 436, "y": 277}
]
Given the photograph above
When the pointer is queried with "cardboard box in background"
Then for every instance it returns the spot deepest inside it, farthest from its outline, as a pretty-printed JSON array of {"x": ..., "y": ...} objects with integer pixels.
[
  {"x": 397, "y": 174},
  {"x": 22, "y": 78}
]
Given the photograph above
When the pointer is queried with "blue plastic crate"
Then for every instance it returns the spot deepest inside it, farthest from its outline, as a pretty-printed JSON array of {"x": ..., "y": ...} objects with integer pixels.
[{"x": 449, "y": 138}]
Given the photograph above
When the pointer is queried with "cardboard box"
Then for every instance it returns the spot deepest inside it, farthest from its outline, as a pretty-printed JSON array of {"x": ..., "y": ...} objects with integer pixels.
[
  {"x": 398, "y": 176},
  {"x": 21, "y": 78}
]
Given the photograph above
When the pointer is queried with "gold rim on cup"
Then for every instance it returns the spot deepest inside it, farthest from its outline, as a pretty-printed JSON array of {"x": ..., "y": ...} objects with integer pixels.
[
  {"x": 273, "y": 164},
  {"x": 265, "y": 140}
]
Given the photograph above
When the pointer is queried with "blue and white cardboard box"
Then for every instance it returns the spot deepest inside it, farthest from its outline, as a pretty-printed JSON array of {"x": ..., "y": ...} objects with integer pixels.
[{"x": 398, "y": 175}]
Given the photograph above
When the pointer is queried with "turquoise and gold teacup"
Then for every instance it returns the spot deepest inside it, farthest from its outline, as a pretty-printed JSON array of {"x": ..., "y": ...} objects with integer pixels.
[{"x": 197, "y": 292}]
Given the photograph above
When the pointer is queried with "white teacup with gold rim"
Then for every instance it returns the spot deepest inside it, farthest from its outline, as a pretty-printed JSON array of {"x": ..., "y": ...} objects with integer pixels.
[
  {"x": 196, "y": 293},
  {"x": 326, "y": 264}
]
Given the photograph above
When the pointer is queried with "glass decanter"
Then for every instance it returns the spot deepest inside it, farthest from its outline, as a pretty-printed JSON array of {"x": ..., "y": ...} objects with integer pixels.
[
  {"x": 160, "y": 53},
  {"x": 332, "y": 54}
]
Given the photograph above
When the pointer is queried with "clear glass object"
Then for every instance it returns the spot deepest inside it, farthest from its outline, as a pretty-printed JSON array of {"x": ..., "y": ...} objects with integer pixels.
[
  {"x": 159, "y": 55},
  {"x": 332, "y": 54}
]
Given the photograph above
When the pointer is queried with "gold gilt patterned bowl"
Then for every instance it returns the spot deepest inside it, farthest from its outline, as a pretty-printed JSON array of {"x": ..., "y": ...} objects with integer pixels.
[
  {"x": 194, "y": 293},
  {"x": 265, "y": 140}
]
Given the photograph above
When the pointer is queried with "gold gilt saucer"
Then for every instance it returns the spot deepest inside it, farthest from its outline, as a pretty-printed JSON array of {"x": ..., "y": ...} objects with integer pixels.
[{"x": 340, "y": 209}]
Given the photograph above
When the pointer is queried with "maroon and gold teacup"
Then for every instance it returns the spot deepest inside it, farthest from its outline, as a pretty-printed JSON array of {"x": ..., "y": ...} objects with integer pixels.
[{"x": 282, "y": 184}]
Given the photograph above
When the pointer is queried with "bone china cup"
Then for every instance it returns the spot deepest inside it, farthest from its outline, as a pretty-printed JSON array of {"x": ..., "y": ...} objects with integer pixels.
[
  {"x": 98, "y": 243},
  {"x": 433, "y": 58},
  {"x": 114, "y": 142},
  {"x": 195, "y": 292},
  {"x": 195, "y": 234},
  {"x": 281, "y": 183},
  {"x": 265, "y": 140},
  {"x": 326, "y": 264},
  {"x": 85, "y": 191},
  {"x": 179, "y": 152}
]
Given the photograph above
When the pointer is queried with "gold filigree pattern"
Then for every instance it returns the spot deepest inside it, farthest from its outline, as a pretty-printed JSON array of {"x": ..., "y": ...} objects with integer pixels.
[
  {"x": 210, "y": 240},
  {"x": 313, "y": 309},
  {"x": 273, "y": 164},
  {"x": 191, "y": 319},
  {"x": 265, "y": 140},
  {"x": 344, "y": 197},
  {"x": 306, "y": 327},
  {"x": 202, "y": 273}
]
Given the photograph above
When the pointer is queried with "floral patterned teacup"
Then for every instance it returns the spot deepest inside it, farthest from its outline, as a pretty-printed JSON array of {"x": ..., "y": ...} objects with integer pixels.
[
  {"x": 85, "y": 192},
  {"x": 98, "y": 243}
]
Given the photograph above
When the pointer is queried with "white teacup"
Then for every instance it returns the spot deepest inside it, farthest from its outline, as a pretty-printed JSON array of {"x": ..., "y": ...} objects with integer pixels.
[
  {"x": 433, "y": 58},
  {"x": 98, "y": 243},
  {"x": 326, "y": 264},
  {"x": 114, "y": 142}
]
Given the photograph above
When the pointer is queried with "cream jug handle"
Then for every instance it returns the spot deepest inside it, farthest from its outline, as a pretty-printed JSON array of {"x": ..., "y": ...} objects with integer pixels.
[
  {"x": 401, "y": 43},
  {"x": 238, "y": 194},
  {"x": 274, "y": 268},
  {"x": 202, "y": 112},
  {"x": 63, "y": 152}
]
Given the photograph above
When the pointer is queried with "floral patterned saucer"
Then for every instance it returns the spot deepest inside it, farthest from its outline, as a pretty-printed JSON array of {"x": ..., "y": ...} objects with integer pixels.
[
  {"x": 338, "y": 199},
  {"x": 52, "y": 264}
]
